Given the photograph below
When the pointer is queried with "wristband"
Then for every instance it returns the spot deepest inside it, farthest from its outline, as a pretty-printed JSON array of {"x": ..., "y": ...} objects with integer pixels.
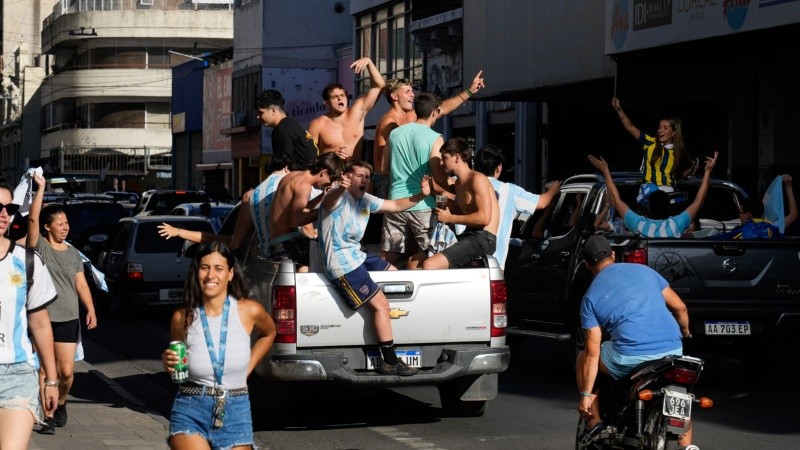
[
  {"x": 470, "y": 93},
  {"x": 53, "y": 383},
  {"x": 586, "y": 394}
]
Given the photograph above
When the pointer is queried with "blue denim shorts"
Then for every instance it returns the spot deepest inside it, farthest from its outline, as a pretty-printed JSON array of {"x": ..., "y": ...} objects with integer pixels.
[
  {"x": 619, "y": 366},
  {"x": 191, "y": 414},
  {"x": 19, "y": 388}
]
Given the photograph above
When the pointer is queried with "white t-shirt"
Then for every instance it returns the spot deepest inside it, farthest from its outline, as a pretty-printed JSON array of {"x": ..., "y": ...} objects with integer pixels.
[{"x": 15, "y": 345}]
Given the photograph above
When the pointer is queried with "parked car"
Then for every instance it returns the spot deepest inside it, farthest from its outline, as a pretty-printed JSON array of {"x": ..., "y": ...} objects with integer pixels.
[
  {"x": 219, "y": 211},
  {"x": 162, "y": 201},
  {"x": 91, "y": 196},
  {"x": 123, "y": 196},
  {"x": 141, "y": 267},
  {"x": 91, "y": 224}
]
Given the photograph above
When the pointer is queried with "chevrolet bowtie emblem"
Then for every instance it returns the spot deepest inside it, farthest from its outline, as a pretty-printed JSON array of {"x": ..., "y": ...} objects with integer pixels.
[{"x": 396, "y": 313}]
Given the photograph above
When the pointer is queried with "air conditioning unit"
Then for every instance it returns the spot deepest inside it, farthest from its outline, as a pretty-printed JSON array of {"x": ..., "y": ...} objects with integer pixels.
[{"x": 146, "y": 2}]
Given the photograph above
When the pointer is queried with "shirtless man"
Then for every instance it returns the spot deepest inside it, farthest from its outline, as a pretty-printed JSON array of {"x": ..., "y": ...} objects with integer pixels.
[
  {"x": 475, "y": 206},
  {"x": 340, "y": 129},
  {"x": 291, "y": 208},
  {"x": 400, "y": 96}
]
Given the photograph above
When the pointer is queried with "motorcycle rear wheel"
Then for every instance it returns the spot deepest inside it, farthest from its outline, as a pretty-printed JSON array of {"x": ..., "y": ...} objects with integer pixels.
[{"x": 656, "y": 428}]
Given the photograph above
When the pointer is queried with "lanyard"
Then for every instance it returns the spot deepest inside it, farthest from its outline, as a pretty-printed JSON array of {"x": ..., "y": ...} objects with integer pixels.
[{"x": 217, "y": 363}]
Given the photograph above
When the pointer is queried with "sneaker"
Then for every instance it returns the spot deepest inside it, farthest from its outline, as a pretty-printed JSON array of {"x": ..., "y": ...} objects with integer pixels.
[
  {"x": 48, "y": 427},
  {"x": 590, "y": 434},
  {"x": 691, "y": 447},
  {"x": 60, "y": 415},
  {"x": 400, "y": 368}
]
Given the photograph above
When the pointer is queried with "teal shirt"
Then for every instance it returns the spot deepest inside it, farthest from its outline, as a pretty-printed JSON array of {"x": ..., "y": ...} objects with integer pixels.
[{"x": 410, "y": 151}]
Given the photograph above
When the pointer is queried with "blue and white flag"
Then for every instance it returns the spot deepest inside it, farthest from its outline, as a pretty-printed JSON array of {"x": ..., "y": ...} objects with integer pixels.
[{"x": 773, "y": 203}]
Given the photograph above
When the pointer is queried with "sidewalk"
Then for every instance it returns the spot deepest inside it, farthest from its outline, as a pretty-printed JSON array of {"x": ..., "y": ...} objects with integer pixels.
[{"x": 103, "y": 415}]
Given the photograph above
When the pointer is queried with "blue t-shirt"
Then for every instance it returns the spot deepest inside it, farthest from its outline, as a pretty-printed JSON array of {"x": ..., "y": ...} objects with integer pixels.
[
  {"x": 511, "y": 199},
  {"x": 671, "y": 227},
  {"x": 341, "y": 230},
  {"x": 625, "y": 300}
]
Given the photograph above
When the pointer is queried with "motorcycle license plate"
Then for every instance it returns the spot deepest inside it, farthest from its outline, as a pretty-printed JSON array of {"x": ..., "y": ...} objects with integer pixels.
[
  {"x": 678, "y": 404},
  {"x": 413, "y": 358}
]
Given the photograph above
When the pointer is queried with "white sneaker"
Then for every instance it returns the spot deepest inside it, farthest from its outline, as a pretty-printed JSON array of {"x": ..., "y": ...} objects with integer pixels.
[{"x": 691, "y": 447}]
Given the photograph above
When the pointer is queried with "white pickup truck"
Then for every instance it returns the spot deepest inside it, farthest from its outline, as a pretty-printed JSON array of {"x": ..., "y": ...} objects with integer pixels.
[{"x": 449, "y": 323}]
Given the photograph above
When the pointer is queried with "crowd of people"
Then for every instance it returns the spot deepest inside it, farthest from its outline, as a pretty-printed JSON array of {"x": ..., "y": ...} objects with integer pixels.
[{"x": 319, "y": 194}]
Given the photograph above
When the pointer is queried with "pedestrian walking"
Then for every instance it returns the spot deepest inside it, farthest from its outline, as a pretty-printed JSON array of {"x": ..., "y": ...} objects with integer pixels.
[
  {"x": 23, "y": 315},
  {"x": 65, "y": 265},
  {"x": 212, "y": 407}
]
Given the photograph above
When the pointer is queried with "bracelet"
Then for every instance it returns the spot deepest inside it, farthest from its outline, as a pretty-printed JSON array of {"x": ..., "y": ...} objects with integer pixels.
[
  {"x": 470, "y": 93},
  {"x": 53, "y": 383},
  {"x": 462, "y": 98},
  {"x": 586, "y": 394}
]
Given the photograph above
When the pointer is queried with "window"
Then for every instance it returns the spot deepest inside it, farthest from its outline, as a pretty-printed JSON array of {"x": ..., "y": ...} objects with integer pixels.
[{"x": 383, "y": 35}]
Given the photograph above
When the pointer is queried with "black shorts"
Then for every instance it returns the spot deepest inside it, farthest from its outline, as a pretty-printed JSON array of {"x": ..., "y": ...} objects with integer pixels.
[
  {"x": 471, "y": 245},
  {"x": 66, "y": 332}
]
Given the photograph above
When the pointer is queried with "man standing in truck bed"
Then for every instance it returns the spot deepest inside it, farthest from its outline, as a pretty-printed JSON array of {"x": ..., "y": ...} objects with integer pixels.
[{"x": 342, "y": 222}]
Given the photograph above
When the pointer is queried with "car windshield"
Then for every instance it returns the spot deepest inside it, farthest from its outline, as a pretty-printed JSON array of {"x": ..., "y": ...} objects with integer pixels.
[
  {"x": 83, "y": 216},
  {"x": 164, "y": 202},
  {"x": 148, "y": 240}
]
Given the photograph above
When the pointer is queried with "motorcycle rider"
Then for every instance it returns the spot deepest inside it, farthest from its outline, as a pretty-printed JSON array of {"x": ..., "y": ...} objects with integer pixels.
[{"x": 643, "y": 315}]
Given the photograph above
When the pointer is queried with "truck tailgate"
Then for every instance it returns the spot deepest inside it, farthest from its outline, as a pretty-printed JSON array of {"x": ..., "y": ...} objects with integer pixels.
[
  {"x": 442, "y": 306},
  {"x": 732, "y": 271}
]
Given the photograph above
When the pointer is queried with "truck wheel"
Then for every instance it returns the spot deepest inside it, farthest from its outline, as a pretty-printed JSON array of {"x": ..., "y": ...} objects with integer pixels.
[{"x": 450, "y": 395}]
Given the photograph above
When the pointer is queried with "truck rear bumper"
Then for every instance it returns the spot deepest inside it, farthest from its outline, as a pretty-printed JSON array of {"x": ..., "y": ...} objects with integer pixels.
[{"x": 334, "y": 366}]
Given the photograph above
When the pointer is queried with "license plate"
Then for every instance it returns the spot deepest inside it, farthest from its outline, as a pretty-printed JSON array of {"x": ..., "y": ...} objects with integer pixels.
[
  {"x": 170, "y": 294},
  {"x": 727, "y": 328},
  {"x": 413, "y": 358},
  {"x": 678, "y": 405}
]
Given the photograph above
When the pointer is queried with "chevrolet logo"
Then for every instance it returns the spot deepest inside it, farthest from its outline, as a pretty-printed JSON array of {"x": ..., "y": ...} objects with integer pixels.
[{"x": 396, "y": 313}]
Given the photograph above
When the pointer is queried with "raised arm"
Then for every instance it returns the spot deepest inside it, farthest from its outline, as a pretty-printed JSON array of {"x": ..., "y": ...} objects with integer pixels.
[
  {"x": 332, "y": 197},
  {"x": 32, "y": 238},
  {"x": 601, "y": 165},
  {"x": 367, "y": 101},
  {"x": 787, "y": 186},
  {"x": 626, "y": 122},
  {"x": 694, "y": 208},
  {"x": 553, "y": 188},
  {"x": 457, "y": 100}
]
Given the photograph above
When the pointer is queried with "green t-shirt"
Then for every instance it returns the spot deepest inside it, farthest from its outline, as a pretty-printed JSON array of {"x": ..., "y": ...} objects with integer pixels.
[{"x": 410, "y": 151}]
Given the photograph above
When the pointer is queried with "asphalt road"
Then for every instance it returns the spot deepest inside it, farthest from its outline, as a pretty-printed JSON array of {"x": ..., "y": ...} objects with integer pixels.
[{"x": 535, "y": 408}]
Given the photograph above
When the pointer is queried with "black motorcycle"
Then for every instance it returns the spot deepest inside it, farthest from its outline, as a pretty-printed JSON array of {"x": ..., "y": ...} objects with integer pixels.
[{"x": 649, "y": 409}]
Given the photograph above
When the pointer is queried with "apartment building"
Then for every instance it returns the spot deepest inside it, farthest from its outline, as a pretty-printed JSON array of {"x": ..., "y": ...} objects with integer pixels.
[{"x": 106, "y": 105}]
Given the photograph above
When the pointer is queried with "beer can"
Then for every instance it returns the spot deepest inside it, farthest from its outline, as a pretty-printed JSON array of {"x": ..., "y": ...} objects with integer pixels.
[{"x": 181, "y": 372}]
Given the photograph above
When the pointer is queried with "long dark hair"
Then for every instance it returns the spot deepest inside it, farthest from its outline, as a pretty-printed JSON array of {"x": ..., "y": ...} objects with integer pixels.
[
  {"x": 192, "y": 295},
  {"x": 678, "y": 149}
]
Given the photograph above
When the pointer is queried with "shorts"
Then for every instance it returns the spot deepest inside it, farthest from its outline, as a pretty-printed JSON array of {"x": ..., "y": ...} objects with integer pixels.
[
  {"x": 19, "y": 388},
  {"x": 619, "y": 366},
  {"x": 472, "y": 244},
  {"x": 357, "y": 287},
  {"x": 192, "y": 414},
  {"x": 400, "y": 228},
  {"x": 66, "y": 332},
  {"x": 292, "y": 246},
  {"x": 380, "y": 184}
]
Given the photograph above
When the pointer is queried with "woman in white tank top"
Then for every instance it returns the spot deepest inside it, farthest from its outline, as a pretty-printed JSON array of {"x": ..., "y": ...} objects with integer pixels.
[{"x": 212, "y": 408}]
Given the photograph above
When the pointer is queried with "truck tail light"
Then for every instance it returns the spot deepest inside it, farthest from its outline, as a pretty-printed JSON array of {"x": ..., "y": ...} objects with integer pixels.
[
  {"x": 284, "y": 307},
  {"x": 135, "y": 272},
  {"x": 498, "y": 295},
  {"x": 636, "y": 256}
]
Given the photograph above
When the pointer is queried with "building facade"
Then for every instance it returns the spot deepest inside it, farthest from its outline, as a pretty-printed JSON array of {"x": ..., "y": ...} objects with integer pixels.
[{"x": 106, "y": 107}]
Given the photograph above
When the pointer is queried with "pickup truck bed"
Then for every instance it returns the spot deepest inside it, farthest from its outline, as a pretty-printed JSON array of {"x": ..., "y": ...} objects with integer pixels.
[{"x": 449, "y": 323}]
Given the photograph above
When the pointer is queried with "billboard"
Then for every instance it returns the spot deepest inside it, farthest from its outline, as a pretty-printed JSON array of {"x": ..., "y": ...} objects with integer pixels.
[{"x": 639, "y": 24}]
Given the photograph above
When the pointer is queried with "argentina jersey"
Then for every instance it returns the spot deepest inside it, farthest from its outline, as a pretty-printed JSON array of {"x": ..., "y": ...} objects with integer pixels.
[
  {"x": 341, "y": 230},
  {"x": 15, "y": 345},
  {"x": 670, "y": 227},
  {"x": 511, "y": 199},
  {"x": 259, "y": 208}
]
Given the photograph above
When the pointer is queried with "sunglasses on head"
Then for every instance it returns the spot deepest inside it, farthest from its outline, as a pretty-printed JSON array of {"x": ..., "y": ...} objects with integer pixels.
[{"x": 10, "y": 208}]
